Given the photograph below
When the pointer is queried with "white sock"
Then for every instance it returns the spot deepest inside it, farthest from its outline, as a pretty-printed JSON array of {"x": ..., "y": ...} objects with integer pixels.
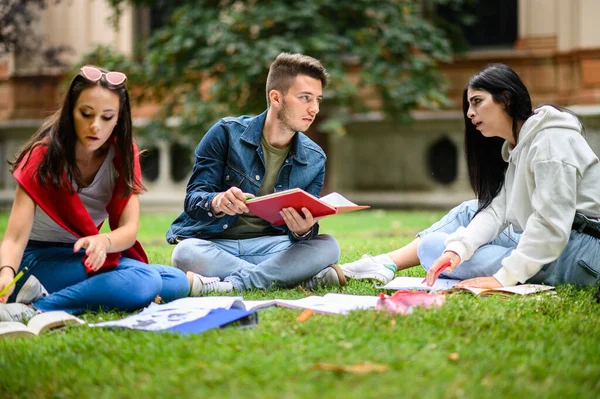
[{"x": 385, "y": 259}]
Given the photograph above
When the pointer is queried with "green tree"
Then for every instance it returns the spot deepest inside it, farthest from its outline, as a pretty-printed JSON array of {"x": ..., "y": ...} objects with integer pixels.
[{"x": 210, "y": 57}]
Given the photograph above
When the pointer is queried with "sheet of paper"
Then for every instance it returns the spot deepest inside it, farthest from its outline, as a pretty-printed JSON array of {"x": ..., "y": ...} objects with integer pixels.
[
  {"x": 352, "y": 302},
  {"x": 259, "y": 304},
  {"x": 526, "y": 289},
  {"x": 336, "y": 199},
  {"x": 160, "y": 317},
  {"x": 414, "y": 283},
  {"x": 207, "y": 302},
  {"x": 332, "y": 303},
  {"x": 157, "y": 320}
]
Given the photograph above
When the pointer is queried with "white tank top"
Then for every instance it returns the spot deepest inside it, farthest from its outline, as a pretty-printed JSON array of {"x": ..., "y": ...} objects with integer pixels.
[{"x": 95, "y": 198}]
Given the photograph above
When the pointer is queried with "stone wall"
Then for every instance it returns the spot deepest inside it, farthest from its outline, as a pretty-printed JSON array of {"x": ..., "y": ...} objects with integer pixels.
[{"x": 422, "y": 165}]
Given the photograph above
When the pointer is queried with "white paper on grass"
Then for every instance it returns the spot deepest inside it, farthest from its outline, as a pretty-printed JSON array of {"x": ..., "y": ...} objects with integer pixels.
[
  {"x": 160, "y": 317},
  {"x": 415, "y": 283},
  {"x": 329, "y": 303}
]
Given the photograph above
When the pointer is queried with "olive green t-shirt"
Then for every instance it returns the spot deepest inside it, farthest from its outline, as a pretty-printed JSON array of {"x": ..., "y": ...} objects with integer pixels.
[{"x": 248, "y": 225}]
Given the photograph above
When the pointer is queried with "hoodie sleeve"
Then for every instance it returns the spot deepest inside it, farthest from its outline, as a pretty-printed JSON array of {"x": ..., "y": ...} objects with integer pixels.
[
  {"x": 484, "y": 227},
  {"x": 547, "y": 230}
]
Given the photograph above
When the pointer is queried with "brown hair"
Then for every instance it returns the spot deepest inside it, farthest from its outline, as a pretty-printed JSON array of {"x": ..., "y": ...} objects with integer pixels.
[
  {"x": 58, "y": 134},
  {"x": 287, "y": 66}
]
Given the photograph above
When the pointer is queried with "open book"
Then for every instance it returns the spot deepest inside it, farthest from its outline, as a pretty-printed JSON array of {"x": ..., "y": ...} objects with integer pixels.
[
  {"x": 415, "y": 283},
  {"x": 329, "y": 303},
  {"x": 268, "y": 206},
  {"x": 188, "y": 315},
  {"x": 38, "y": 324},
  {"x": 523, "y": 289},
  {"x": 447, "y": 285}
]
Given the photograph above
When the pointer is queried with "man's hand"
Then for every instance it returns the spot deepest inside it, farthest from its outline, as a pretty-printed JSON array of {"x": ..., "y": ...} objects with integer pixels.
[
  {"x": 230, "y": 202},
  {"x": 297, "y": 223},
  {"x": 480, "y": 282},
  {"x": 96, "y": 247}
]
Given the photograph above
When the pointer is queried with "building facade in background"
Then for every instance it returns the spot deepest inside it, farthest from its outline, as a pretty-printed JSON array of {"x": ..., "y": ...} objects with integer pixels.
[{"x": 554, "y": 45}]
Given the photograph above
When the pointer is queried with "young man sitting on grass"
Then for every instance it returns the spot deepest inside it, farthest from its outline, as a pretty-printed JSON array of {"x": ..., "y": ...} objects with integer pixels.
[{"x": 220, "y": 244}]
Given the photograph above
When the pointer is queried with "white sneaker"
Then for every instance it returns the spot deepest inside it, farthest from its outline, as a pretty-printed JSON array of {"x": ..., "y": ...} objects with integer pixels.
[
  {"x": 31, "y": 291},
  {"x": 16, "y": 312},
  {"x": 369, "y": 268},
  {"x": 203, "y": 285}
]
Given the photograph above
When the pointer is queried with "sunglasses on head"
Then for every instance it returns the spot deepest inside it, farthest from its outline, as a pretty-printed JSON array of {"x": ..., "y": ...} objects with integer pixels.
[{"x": 94, "y": 74}]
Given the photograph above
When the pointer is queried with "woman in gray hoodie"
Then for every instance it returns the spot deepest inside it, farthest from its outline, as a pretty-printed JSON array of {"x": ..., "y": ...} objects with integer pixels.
[{"x": 536, "y": 218}]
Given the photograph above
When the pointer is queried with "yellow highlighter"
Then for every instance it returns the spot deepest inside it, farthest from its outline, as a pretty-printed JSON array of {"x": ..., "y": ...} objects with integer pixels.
[{"x": 13, "y": 282}]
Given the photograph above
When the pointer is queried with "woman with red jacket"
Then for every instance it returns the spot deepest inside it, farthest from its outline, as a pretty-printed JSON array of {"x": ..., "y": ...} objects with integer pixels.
[{"x": 79, "y": 169}]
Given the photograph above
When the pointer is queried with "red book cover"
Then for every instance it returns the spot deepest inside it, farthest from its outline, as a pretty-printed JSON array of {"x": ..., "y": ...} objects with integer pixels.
[{"x": 268, "y": 206}]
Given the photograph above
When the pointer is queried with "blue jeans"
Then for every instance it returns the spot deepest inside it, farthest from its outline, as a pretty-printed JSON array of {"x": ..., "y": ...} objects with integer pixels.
[
  {"x": 579, "y": 263},
  {"x": 257, "y": 262},
  {"x": 130, "y": 286}
]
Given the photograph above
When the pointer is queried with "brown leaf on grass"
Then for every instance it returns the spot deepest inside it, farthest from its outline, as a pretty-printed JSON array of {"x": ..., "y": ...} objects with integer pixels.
[
  {"x": 304, "y": 290},
  {"x": 453, "y": 356},
  {"x": 356, "y": 368},
  {"x": 306, "y": 313}
]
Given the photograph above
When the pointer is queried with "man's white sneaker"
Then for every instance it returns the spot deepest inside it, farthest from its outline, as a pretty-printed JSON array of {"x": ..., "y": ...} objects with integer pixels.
[
  {"x": 201, "y": 285},
  {"x": 368, "y": 267},
  {"x": 31, "y": 291},
  {"x": 16, "y": 312},
  {"x": 332, "y": 275}
]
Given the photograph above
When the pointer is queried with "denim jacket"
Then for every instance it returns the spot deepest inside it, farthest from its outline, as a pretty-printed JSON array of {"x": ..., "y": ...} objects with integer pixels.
[{"x": 231, "y": 154}]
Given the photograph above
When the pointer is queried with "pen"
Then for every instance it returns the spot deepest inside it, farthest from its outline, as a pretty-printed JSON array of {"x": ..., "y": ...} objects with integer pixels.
[
  {"x": 13, "y": 282},
  {"x": 439, "y": 271}
]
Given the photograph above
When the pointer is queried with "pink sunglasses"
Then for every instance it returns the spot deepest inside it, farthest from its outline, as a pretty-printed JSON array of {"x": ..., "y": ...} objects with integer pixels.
[{"x": 94, "y": 74}]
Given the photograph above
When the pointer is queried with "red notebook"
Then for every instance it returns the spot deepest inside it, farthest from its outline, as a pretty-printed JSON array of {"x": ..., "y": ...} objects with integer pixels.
[{"x": 268, "y": 206}]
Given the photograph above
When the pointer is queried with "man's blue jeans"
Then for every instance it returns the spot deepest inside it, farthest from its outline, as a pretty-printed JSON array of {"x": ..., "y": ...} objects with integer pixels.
[
  {"x": 257, "y": 262},
  {"x": 131, "y": 285},
  {"x": 579, "y": 262}
]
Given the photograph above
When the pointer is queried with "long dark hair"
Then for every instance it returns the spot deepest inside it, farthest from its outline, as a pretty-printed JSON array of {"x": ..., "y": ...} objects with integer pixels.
[
  {"x": 484, "y": 159},
  {"x": 58, "y": 134}
]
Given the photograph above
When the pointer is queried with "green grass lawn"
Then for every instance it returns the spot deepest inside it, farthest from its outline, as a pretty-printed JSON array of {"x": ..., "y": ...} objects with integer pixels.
[{"x": 538, "y": 346}]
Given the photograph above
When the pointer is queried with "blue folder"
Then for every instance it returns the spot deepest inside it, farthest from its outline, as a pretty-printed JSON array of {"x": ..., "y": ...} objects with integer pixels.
[{"x": 217, "y": 318}]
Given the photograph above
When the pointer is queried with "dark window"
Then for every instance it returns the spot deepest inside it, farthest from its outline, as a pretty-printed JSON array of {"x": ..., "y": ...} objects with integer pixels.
[
  {"x": 442, "y": 161},
  {"x": 181, "y": 161},
  {"x": 161, "y": 12},
  {"x": 493, "y": 23},
  {"x": 150, "y": 163}
]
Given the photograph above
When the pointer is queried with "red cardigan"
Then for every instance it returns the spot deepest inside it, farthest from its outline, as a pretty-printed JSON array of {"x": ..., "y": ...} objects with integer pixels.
[{"x": 66, "y": 209}]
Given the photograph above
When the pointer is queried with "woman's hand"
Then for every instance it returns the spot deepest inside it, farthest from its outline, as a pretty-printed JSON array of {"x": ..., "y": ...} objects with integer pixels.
[
  {"x": 446, "y": 257},
  {"x": 297, "y": 223},
  {"x": 480, "y": 282},
  {"x": 6, "y": 276},
  {"x": 231, "y": 202},
  {"x": 96, "y": 247}
]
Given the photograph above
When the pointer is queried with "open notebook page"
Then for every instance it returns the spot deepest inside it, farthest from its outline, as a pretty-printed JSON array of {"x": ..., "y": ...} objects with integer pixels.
[
  {"x": 415, "y": 283},
  {"x": 336, "y": 199}
]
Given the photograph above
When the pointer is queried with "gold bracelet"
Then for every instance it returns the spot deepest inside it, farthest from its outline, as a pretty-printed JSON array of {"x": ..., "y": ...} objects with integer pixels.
[{"x": 109, "y": 242}]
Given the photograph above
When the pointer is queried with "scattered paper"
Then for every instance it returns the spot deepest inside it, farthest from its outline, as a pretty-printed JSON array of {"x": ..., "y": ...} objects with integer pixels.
[{"x": 415, "y": 283}]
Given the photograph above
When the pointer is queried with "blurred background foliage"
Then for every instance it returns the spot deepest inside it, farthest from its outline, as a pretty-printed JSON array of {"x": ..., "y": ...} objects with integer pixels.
[{"x": 209, "y": 58}]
